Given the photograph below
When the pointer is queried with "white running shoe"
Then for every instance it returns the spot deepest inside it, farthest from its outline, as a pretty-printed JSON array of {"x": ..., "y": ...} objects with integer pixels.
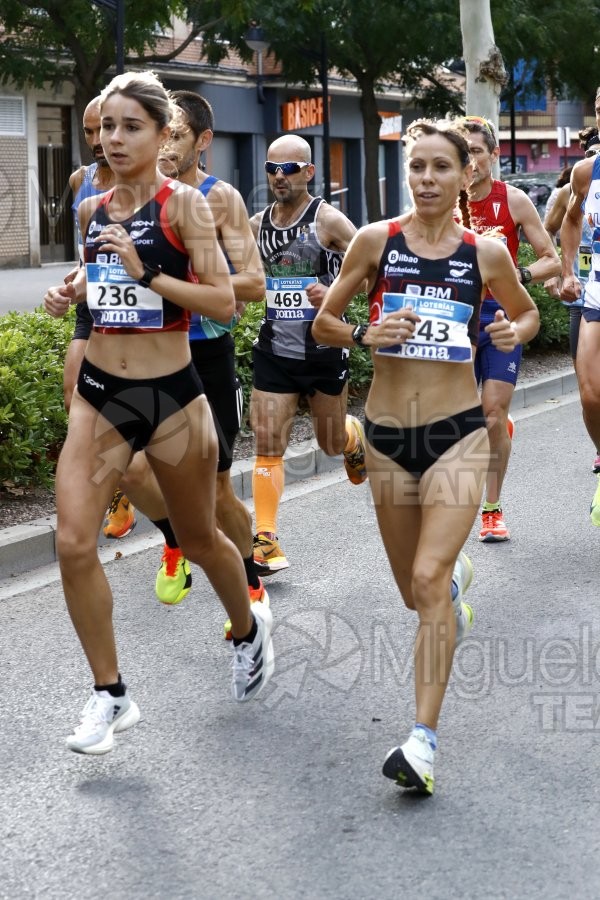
[
  {"x": 462, "y": 576},
  {"x": 411, "y": 765},
  {"x": 595, "y": 506},
  {"x": 102, "y": 715},
  {"x": 253, "y": 664}
]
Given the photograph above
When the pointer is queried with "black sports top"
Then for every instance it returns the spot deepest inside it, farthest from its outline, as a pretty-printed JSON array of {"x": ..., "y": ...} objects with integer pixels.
[
  {"x": 293, "y": 257},
  {"x": 117, "y": 303},
  {"x": 436, "y": 284}
]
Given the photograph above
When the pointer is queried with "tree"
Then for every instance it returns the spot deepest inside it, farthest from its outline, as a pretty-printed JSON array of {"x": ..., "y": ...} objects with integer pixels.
[
  {"x": 52, "y": 41},
  {"x": 370, "y": 41},
  {"x": 557, "y": 41},
  {"x": 485, "y": 70}
]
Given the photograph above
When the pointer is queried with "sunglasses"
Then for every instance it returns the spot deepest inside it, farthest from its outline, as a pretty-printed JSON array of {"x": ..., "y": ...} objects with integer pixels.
[{"x": 287, "y": 168}]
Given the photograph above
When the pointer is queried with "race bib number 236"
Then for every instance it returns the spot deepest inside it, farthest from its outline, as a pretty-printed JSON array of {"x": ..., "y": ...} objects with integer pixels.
[{"x": 116, "y": 300}]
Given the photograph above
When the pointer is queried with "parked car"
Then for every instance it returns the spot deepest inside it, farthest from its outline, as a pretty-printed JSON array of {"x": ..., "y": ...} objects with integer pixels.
[{"x": 537, "y": 185}]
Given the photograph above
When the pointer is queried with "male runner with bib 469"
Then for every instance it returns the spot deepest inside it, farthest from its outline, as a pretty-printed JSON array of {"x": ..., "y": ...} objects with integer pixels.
[{"x": 302, "y": 240}]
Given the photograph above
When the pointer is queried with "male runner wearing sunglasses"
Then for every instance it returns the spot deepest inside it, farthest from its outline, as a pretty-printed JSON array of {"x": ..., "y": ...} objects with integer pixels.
[{"x": 302, "y": 240}]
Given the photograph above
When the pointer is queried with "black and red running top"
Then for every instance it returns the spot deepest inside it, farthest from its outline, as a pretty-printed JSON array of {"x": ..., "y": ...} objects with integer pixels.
[
  {"x": 157, "y": 245},
  {"x": 452, "y": 278}
]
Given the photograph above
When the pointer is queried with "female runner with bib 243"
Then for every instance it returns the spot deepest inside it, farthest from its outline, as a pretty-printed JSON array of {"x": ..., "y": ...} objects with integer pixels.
[
  {"x": 427, "y": 445},
  {"x": 151, "y": 259}
]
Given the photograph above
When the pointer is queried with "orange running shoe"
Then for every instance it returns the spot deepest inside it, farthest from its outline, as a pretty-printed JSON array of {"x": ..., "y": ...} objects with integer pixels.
[
  {"x": 510, "y": 426},
  {"x": 268, "y": 555},
  {"x": 257, "y": 595},
  {"x": 493, "y": 528},
  {"x": 120, "y": 517}
]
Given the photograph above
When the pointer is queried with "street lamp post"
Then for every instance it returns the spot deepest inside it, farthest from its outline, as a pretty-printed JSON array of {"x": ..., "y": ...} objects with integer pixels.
[
  {"x": 324, "y": 78},
  {"x": 255, "y": 39},
  {"x": 117, "y": 7}
]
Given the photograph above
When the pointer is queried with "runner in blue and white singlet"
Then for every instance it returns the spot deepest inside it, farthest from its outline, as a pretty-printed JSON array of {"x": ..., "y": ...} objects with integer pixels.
[
  {"x": 584, "y": 204},
  {"x": 213, "y": 357},
  {"x": 591, "y": 214}
]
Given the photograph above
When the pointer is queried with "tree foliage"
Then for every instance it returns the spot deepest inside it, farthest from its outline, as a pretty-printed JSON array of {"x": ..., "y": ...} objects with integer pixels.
[
  {"x": 53, "y": 41},
  {"x": 371, "y": 41},
  {"x": 557, "y": 40}
]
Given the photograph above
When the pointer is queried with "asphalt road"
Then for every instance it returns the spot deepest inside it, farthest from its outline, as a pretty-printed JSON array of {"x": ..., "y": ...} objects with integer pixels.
[
  {"x": 21, "y": 290},
  {"x": 284, "y": 798}
]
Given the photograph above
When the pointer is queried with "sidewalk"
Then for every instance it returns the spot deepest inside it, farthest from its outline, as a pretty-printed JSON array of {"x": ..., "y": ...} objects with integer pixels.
[
  {"x": 21, "y": 290},
  {"x": 26, "y": 547}
]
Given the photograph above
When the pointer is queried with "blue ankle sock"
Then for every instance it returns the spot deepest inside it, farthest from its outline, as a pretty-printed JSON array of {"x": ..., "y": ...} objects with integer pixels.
[
  {"x": 453, "y": 590},
  {"x": 430, "y": 734}
]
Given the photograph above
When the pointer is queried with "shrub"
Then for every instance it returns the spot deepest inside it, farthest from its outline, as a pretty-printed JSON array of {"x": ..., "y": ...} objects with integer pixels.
[
  {"x": 554, "y": 317},
  {"x": 33, "y": 421},
  {"x": 33, "y": 346},
  {"x": 244, "y": 334}
]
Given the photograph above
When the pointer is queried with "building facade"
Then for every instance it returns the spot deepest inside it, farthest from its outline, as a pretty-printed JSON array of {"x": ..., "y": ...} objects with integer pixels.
[
  {"x": 40, "y": 147},
  {"x": 40, "y": 144}
]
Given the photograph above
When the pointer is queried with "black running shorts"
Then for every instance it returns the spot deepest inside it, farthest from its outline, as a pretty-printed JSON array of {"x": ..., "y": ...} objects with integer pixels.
[
  {"x": 282, "y": 375},
  {"x": 214, "y": 361}
]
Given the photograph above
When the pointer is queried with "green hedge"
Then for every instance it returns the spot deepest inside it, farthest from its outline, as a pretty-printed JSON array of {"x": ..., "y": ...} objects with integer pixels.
[
  {"x": 554, "y": 317},
  {"x": 32, "y": 417},
  {"x": 32, "y": 349}
]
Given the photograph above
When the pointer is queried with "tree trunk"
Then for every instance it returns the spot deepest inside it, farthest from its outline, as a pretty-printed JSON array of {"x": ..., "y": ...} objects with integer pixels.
[
  {"x": 371, "y": 127},
  {"x": 486, "y": 74},
  {"x": 81, "y": 100}
]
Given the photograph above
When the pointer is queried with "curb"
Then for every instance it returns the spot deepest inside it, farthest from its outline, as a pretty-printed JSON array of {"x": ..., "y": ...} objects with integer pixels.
[{"x": 26, "y": 547}]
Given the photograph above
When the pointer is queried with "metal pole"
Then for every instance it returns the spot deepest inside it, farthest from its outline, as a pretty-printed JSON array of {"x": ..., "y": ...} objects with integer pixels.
[
  {"x": 260, "y": 92},
  {"x": 513, "y": 135},
  {"x": 326, "y": 140},
  {"x": 120, "y": 36}
]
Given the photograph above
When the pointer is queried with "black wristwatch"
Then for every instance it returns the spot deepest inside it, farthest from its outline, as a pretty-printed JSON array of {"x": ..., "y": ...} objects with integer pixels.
[
  {"x": 150, "y": 272},
  {"x": 358, "y": 334},
  {"x": 526, "y": 275}
]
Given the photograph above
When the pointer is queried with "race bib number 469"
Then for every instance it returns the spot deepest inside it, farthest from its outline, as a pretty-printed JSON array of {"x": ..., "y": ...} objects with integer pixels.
[
  {"x": 116, "y": 300},
  {"x": 287, "y": 299},
  {"x": 441, "y": 335}
]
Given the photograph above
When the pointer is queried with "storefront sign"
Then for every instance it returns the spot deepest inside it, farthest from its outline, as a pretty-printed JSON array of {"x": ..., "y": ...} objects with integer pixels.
[
  {"x": 299, "y": 114},
  {"x": 391, "y": 126}
]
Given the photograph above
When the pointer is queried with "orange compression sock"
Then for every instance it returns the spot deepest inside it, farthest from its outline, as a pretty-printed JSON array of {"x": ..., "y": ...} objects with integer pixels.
[{"x": 268, "y": 480}]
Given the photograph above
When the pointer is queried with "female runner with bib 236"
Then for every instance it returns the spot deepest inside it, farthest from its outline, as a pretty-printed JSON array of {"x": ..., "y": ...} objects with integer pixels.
[{"x": 151, "y": 259}]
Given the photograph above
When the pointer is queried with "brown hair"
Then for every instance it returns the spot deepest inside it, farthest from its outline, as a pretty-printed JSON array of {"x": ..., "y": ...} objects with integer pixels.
[
  {"x": 449, "y": 130},
  {"x": 149, "y": 92},
  {"x": 479, "y": 125}
]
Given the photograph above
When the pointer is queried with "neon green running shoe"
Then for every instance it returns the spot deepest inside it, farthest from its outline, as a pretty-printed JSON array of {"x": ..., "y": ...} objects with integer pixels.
[
  {"x": 174, "y": 578},
  {"x": 462, "y": 576}
]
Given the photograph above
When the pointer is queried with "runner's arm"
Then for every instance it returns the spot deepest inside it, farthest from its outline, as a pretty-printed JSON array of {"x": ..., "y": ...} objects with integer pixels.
[
  {"x": 359, "y": 269},
  {"x": 570, "y": 232},
  {"x": 525, "y": 214},
  {"x": 522, "y": 320},
  {"x": 239, "y": 243}
]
